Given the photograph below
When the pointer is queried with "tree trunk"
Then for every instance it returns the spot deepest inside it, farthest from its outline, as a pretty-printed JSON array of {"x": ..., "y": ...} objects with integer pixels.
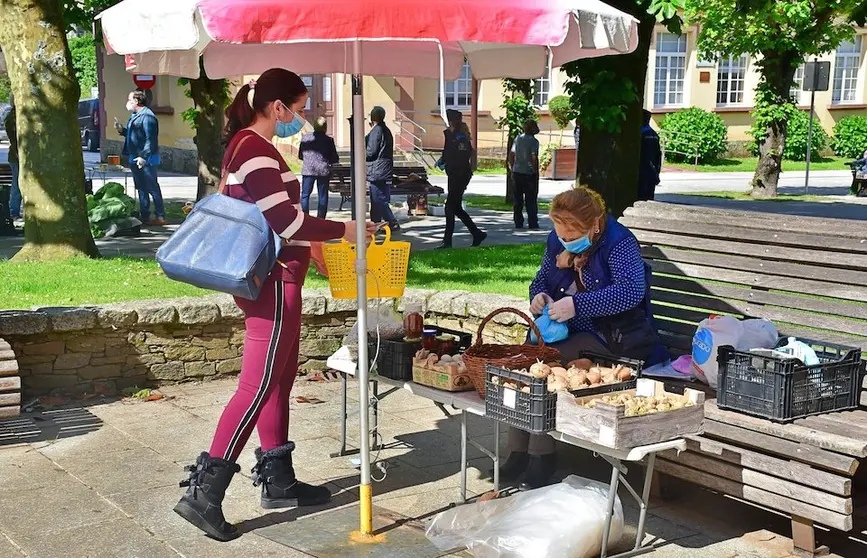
[
  {"x": 210, "y": 98},
  {"x": 46, "y": 96},
  {"x": 610, "y": 160},
  {"x": 778, "y": 74}
]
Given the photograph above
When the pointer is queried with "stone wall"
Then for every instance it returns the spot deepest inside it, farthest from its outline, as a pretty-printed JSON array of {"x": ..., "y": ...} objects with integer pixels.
[
  {"x": 109, "y": 348},
  {"x": 172, "y": 159}
]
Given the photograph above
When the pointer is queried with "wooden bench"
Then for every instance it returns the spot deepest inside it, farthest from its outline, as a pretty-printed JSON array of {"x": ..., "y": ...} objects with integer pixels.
[
  {"x": 10, "y": 382},
  {"x": 808, "y": 275},
  {"x": 409, "y": 181}
]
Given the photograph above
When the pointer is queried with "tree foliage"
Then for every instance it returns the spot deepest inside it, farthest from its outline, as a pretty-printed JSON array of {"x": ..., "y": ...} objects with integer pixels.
[
  {"x": 83, "y": 52},
  {"x": 5, "y": 89},
  {"x": 562, "y": 111}
]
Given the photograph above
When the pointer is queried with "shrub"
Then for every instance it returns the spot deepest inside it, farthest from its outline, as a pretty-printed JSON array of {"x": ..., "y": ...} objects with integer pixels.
[
  {"x": 545, "y": 156},
  {"x": 705, "y": 129},
  {"x": 850, "y": 137},
  {"x": 796, "y": 137},
  {"x": 562, "y": 111}
]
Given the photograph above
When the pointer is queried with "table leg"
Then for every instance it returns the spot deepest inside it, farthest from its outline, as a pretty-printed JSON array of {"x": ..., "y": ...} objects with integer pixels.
[
  {"x": 375, "y": 404},
  {"x": 645, "y": 496},
  {"x": 463, "y": 456},
  {"x": 344, "y": 380},
  {"x": 609, "y": 512},
  {"x": 496, "y": 456}
]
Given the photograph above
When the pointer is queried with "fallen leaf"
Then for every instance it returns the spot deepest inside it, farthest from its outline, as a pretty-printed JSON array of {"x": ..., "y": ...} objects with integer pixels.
[
  {"x": 317, "y": 378},
  {"x": 154, "y": 397},
  {"x": 488, "y": 496}
]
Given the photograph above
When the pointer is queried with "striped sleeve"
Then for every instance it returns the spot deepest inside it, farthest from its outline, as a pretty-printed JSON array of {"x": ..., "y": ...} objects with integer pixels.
[{"x": 267, "y": 186}]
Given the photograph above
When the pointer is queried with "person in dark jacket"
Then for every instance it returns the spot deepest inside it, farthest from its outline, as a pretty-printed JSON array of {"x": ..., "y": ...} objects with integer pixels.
[
  {"x": 317, "y": 153},
  {"x": 11, "y": 126},
  {"x": 650, "y": 162},
  {"x": 593, "y": 279},
  {"x": 380, "y": 168},
  {"x": 141, "y": 145},
  {"x": 457, "y": 160}
]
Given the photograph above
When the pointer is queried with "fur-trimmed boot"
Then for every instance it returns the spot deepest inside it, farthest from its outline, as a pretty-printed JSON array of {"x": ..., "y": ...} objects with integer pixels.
[
  {"x": 202, "y": 505},
  {"x": 280, "y": 488}
]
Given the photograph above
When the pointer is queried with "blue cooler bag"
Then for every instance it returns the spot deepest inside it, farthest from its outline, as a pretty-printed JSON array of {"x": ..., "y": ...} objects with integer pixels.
[{"x": 224, "y": 244}]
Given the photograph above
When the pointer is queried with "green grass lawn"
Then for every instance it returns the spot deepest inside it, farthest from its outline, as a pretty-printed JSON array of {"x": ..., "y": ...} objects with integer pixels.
[
  {"x": 495, "y": 269},
  {"x": 491, "y": 203},
  {"x": 743, "y": 196},
  {"x": 748, "y": 164}
]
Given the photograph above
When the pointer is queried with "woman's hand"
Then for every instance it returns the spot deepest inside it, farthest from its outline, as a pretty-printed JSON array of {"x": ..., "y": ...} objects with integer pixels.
[
  {"x": 318, "y": 258},
  {"x": 563, "y": 310},
  {"x": 540, "y": 301},
  {"x": 350, "y": 235}
]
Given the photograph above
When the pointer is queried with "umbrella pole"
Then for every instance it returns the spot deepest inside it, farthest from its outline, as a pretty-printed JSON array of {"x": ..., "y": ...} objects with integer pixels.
[{"x": 359, "y": 164}]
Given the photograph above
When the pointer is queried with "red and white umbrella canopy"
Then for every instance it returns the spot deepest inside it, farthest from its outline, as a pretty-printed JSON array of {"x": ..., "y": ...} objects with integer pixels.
[{"x": 406, "y": 38}]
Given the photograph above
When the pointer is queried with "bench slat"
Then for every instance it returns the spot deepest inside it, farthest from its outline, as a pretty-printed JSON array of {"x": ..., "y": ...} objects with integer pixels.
[
  {"x": 771, "y": 465},
  {"x": 748, "y": 219},
  {"x": 9, "y": 399},
  {"x": 10, "y": 383},
  {"x": 756, "y": 495},
  {"x": 796, "y": 432},
  {"x": 767, "y": 267},
  {"x": 805, "y": 286},
  {"x": 691, "y": 290},
  {"x": 787, "y": 488},
  {"x": 776, "y": 253},
  {"x": 754, "y": 236}
]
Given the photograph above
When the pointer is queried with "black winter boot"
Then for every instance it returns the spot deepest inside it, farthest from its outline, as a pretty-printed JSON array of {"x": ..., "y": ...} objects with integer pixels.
[
  {"x": 514, "y": 467},
  {"x": 280, "y": 488},
  {"x": 202, "y": 504},
  {"x": 539, "y": 471}
]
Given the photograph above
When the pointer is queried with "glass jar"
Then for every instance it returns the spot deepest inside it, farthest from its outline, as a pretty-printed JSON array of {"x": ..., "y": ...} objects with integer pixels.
[
  {"x": 446, "y": 345},
  {"x": 413, "y": 322},
  {"x": 429, "y": 340}
]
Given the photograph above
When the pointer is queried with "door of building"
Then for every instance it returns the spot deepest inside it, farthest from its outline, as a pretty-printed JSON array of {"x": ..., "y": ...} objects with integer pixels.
[{"x": 320, "y": 101}]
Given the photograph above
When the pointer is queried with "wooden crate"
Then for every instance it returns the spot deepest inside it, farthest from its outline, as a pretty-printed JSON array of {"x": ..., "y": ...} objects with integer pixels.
[
  {"x": 10, "y": 382},
  {"x": 608, "y": 426}
]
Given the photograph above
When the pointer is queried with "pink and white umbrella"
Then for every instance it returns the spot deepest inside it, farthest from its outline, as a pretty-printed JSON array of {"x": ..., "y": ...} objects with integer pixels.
[{"x": 401, "y": 38}]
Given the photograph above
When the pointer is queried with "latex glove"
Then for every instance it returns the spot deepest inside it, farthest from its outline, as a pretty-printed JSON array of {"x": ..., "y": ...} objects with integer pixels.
[
  {"x": 563, "y": 310},
  {"x": 537, "y": 306},
  {"x": 140, "y": 162},
  {"x": 118, "y": 126},
  {"x": 318, "y": 258}
]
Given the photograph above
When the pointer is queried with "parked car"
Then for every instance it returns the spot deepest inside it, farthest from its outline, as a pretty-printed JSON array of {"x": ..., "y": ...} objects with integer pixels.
[
  {"x": 88, "y": 123},
  {"x": 4, "y": 110}
]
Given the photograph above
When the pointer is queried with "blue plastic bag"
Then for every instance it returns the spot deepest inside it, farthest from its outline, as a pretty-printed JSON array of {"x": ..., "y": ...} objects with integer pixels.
[{"x": 552, "y": 331}]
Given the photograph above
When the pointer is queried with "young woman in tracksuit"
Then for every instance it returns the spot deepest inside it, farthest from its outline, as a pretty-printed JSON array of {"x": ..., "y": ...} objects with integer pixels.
[{"x": 257, "y": 173}]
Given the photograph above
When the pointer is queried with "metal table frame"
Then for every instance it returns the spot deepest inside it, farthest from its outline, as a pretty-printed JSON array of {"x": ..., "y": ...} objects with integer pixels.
[
  {"x": 104, "y": 170},
  {"x": 467, "y": 402}
]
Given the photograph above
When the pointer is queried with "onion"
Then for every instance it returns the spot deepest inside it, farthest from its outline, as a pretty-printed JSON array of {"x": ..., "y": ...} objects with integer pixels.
[{"x": 540, "y": 370}]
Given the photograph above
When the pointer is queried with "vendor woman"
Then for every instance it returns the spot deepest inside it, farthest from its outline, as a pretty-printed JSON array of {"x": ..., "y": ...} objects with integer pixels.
[{"x": 592, "y": 279}]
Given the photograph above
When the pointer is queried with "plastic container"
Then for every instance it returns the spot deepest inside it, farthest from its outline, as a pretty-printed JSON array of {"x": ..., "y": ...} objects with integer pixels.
[
  {"x": 534, "y": 412},
  {"x": 785, "y": 389},
  {"x": 395, "y": 357}
]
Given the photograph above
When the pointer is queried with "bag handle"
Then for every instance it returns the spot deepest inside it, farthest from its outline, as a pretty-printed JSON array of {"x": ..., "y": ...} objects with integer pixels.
[{"x": 225, "y": 174}]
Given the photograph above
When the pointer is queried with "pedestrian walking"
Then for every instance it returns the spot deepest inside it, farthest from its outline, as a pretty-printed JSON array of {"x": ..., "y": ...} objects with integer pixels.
[
  {"x": 11, "y": 124},
  {"x": 317, "y": 153},
  {"x": 524, "y": 162},
  {"x": 380, "y": 168},
  {"x": 141, "y": 146},
  {"x": 650, "y": 162},
  {"x": 256, "y": 172},
  {"x": 457, "y": 160}
]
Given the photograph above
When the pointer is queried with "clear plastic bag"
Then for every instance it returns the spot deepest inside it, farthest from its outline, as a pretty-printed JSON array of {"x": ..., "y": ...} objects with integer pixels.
[{"x": 563, "y": 520}]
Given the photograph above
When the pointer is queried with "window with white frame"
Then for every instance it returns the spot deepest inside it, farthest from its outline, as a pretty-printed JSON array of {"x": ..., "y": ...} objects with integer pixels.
[
  {"x": 459, "y": 93},
  {"x": 542, "y": 88},
  {"x": 670, "y": 76},
  {"x": 846, "y": 65},
  {"x": 797, "y": 85},
  {"x": 730, "y": 79}
]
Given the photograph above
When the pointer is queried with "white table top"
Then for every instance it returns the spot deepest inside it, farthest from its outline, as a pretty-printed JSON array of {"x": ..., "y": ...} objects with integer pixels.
[{"x": 464, "y": 400}]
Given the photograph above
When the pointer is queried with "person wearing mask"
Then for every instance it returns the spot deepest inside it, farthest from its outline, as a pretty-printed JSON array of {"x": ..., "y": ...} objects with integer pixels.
[
  {"x": 380, "y": 168},
  {"x": 141, "y": 146},
  {"x": 317, "y": 153},
  {"x": 457, "y": 160},
  {"x": 524, "y": 162},
  {"x": 650, "y": 164},
  {"x": 11, "y": 124},
  {"x": 593, "y": 279},
  {"x": 257, "y": 173}
]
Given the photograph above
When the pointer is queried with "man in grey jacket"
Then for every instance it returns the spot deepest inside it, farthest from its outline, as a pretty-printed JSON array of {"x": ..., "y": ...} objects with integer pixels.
[{"x": 380, "y": 168}]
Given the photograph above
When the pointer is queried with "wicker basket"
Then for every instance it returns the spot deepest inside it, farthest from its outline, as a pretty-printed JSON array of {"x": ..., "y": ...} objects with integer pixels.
[{"x": 507, "y": 356}]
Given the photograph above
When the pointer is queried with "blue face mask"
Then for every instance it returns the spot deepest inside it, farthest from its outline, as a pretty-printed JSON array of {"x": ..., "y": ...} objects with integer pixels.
[
  {"x": 578, "y": 245},
  {"x": 285, "y": 130}
]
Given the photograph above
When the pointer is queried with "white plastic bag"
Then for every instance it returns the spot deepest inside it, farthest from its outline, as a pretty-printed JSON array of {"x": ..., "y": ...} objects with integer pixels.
[
  {"x": 563, "y": 520},
  {"x": 716, "y": 331}
]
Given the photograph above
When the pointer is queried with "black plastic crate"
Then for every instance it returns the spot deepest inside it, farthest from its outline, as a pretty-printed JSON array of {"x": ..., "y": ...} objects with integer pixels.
[
  {"x": 783, "y": 390},
  {"x": 395, "y": 356},
  {"x": 535, "y": 412},
  {"x": 609, "y": 362}
]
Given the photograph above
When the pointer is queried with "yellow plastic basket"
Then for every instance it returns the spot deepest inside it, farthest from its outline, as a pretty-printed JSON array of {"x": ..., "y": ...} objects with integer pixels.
[{"x": 387, "y": 263}]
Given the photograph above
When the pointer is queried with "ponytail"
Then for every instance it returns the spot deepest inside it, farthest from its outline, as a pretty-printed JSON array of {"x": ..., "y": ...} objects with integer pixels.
[{"x": 253, "y": 98}]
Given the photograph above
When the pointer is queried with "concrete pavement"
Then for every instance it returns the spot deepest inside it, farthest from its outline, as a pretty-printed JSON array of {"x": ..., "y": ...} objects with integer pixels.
[{"x": 100, "y": 481}]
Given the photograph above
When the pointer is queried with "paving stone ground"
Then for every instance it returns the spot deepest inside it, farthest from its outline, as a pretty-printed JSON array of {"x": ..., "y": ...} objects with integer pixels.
[{"x": 107, "y": 489}]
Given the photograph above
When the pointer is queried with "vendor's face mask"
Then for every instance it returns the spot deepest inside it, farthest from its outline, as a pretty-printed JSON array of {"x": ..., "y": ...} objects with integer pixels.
[{"x": 577, "y": 246}]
